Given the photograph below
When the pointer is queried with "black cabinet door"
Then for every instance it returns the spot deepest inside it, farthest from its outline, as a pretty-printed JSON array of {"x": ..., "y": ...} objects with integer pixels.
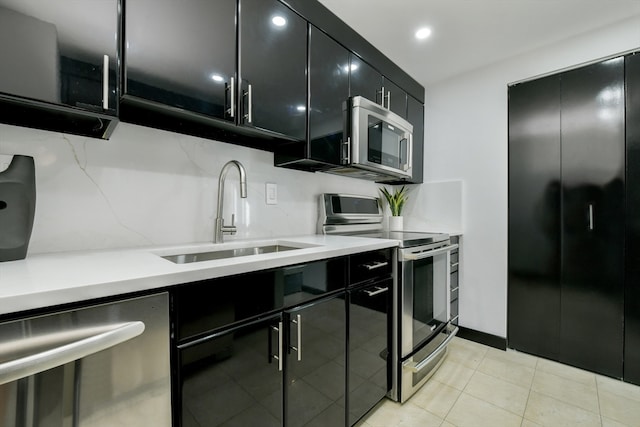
[
  {"x": 315, "y": 368},
  {"x": 364, "y": 80},
  {"x": 273, "y": 60},
  {"x": 328, "y": 91},
  {"x": 395, "y": 98},
  {"x": 632, "y": 285},
  {"x": 182, "y": 54},
  {"x": 233, "y": 378},
  {"x": 415, "y": 116},
  {"x": 593, "y": 163},
  {"x": 60, "y": 52},
  {"x": 533, "y": 315},
  {"x": 369, "y": 373}
]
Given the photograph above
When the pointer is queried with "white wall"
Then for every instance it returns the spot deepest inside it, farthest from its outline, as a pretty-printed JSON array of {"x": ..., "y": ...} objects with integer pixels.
[
  {"x": 466, "y": 140},
  {"x": 151, "y": 187}
]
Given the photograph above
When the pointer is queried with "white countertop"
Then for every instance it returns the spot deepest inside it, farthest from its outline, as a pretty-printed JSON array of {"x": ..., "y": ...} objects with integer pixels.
[{"x": 44, "y": 280}]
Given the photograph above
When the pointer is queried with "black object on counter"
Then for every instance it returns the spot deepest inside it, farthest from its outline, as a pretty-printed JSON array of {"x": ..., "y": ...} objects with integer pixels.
[{"x": 17, "y": 207}]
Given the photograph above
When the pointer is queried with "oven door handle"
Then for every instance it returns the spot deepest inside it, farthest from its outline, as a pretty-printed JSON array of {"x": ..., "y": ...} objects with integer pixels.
[
  {"x": 412, "y": 255},
  {"x": 417, "y": 367}
]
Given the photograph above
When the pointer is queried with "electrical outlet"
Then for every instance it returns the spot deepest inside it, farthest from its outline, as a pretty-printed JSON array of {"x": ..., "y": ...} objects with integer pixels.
[{"x": 271, "y": 193}]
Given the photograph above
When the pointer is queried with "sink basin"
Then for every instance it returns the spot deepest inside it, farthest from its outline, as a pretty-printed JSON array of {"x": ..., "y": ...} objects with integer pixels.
[{"x": 228, "y": 253}]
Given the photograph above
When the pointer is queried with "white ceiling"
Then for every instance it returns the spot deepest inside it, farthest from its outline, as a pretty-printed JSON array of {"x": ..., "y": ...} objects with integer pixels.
[{"x": 469, "y": 34}]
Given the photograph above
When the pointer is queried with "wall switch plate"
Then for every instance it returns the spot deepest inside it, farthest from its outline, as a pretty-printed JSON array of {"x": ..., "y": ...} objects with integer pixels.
[{"x": 271, "y": 193}]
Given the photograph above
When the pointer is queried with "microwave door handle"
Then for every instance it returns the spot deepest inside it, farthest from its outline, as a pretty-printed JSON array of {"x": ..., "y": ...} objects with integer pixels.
[{"x": 410, "y": 153}]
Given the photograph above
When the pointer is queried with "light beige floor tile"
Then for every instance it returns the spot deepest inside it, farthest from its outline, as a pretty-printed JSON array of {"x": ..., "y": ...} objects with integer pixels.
[
  {"x": 527, "y": 423},
  {"x": 453, "y": 374},
  {"x": 436, "y": 397},
  {"x": 466, "y": 354},
  {"x": 550, "y": 412},
  {"x": 564, "y": 371},
  {"x": 499, "y": 392},
  {"x": 619, "y": 408},
  {"x": 573, "y": 392},
  {"x": 472, "y": 412},
  {"x": 606, "y": 422},
  {"x": 618, "y": 387},
  {"x": 447, "y": 424},
  {"x": 513, "y": 357},
  {"x": 512, "y": 372},
  {"x": 406, "y": 415}
]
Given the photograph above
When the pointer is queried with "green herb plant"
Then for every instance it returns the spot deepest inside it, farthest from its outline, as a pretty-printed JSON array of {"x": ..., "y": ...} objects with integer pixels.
[{"x": 396, "y": 200}]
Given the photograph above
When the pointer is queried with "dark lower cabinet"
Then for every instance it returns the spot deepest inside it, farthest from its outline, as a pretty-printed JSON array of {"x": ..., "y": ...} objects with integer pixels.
[
  {"x": 632, "y": 279},
  {"x": 566, "y": 217},
  {"x": 315, "y": 365},
  {"x": 369, "y": 374},
  {"x": 232, "y": 378}
]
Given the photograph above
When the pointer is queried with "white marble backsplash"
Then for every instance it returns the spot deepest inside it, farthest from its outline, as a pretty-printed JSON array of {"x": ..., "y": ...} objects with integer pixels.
[{"x": 151, "y": 187}]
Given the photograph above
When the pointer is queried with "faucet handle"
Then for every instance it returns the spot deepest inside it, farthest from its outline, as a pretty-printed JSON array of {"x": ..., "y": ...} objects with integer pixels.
[
  {"x": 229, "y": 229},
  {"x": 233, "y": 220}
]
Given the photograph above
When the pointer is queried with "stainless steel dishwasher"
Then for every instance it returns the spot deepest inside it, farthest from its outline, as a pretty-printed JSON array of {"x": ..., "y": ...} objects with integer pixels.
[{"x": 102, "y": 365}]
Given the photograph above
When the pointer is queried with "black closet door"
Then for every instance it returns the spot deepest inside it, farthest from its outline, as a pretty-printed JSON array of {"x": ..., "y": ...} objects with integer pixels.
[
  {"x": 593, "y": 136},
  {"x": 534, "y": 217},
  {"x": 632, "y": 291}
]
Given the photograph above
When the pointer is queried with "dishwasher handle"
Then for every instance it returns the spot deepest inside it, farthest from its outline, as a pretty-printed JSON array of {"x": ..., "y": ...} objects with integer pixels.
[{"x": 35, "y": 363}]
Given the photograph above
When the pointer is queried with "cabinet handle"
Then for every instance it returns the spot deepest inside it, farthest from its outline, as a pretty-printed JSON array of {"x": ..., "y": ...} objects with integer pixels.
[
  {"x": 375, "y": 265},
  {"x": 381, "y": 92},
  {"x": 590, "y": 216},
  {"x": 232, "y": 97},
  {"x": 298, "y": 321},
  {"x": 378, "y": 291},
  {"x": 249, "y": 116},
  {"x": 388, "y": 100},
  {"x": 105, "y": 82},
  {"x": 278, "y": 356}
]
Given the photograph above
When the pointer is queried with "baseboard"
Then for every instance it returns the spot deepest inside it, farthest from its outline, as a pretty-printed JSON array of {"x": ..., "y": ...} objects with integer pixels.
[{"x": 482, "y": 338}]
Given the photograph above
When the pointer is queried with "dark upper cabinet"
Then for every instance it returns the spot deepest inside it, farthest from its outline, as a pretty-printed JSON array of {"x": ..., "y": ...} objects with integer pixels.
[
  {"x": 365, "y": 80},
  {"x": 415, "y": 116},
  {"x": 182, "y": 54},
  {"x": 273, "y": 63},
  {"x": 395, "y": 98},
  {"x": 59, "y": 59},
  {"x": 329, "y": 90}
]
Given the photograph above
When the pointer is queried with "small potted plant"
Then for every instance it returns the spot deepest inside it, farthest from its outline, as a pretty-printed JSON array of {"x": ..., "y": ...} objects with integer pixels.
[{"x": 396, "y": 201}]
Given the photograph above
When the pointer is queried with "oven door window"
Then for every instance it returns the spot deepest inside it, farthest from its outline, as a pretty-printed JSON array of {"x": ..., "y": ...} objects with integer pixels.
[
  {"x": 430, "y": 312},
  {"x": 388, "y": 145}
]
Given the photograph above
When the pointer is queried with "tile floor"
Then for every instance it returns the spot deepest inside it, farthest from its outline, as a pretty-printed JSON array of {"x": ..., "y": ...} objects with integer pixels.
[{"x": 480, "y": 386}]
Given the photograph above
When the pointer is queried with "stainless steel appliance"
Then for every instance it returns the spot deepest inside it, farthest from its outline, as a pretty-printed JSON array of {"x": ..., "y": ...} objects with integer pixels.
[
  {"x": 421, "y": 319},
  {"x": 104, "y": 365},
  {"x": 379, "y": 143}
]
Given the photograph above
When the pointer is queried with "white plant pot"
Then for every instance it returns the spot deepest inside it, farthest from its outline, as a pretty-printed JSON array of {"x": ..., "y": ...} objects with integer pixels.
[{"x": 396, "y": 223}]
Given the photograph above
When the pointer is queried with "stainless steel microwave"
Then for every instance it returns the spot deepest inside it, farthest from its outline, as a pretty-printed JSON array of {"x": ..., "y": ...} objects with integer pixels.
[{"x": 379, "y": 143}]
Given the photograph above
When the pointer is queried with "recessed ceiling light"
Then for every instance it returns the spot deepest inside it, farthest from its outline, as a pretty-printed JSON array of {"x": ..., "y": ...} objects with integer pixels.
[
  {"x": 216, "y": 77},
  {"x": 279, "y": 21},
  {"x": 301, "y": 108},
  {"x": 423, "y": 33}
]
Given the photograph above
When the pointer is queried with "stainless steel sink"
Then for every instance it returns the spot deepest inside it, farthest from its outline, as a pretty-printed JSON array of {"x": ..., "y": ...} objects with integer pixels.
[{"x": 228, "y": 253}]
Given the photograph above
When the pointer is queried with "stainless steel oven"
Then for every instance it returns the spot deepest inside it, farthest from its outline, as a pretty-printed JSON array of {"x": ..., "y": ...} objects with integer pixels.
[
  {"x": 421, "y": 324},
  {"x": 424, "y": 314}
]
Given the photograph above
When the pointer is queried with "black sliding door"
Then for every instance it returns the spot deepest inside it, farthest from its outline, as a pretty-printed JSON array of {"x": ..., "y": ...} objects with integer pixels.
[
  {"x": 567, "y": 217},
  {"x": 632, "y": 291},
  {"x": 534, "y": 217},
  {"x": 592, "y": 124}
]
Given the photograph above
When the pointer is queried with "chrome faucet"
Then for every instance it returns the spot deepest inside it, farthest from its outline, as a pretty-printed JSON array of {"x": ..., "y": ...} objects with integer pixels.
[{"x": 220, "y": 228}]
